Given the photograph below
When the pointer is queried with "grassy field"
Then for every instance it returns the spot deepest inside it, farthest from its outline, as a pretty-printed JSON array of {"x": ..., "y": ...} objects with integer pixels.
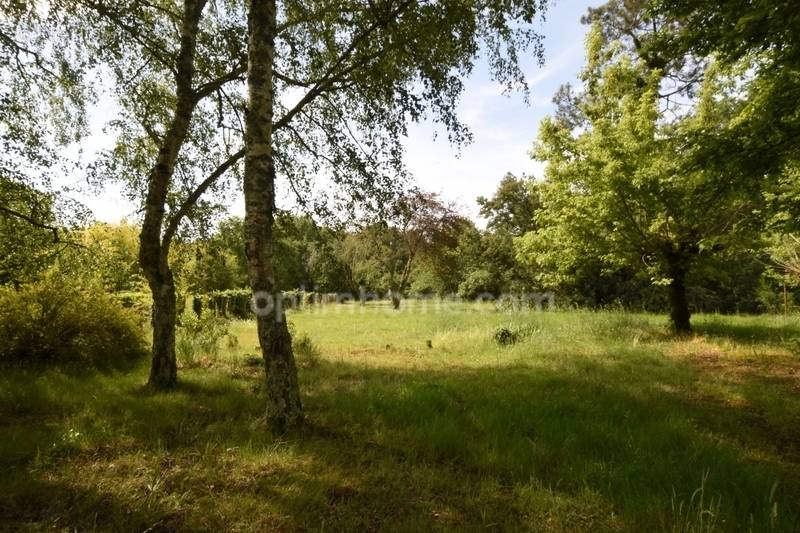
[{"x": 418, "y": 420}]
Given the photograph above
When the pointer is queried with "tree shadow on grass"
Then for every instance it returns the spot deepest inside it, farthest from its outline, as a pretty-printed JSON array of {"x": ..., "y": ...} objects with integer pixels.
[
  {"x": 636, "y": 441},
  {"x": 787, "y": 334},
  {"x": 30, "y": 503},
  {"x": 596, "y": 447}
]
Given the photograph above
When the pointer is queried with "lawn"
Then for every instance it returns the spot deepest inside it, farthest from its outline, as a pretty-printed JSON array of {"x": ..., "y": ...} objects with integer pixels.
[{"x": 419, "y": 420}]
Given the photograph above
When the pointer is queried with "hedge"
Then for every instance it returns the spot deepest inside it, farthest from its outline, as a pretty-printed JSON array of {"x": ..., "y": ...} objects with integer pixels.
[{"x": 233, "y": 303}]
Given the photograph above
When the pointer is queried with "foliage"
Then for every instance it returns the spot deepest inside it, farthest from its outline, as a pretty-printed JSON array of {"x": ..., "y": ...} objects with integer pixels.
[
  {"x": 139, "y": 302},
  {"x": 505, "y": 336},
  {"x": 621, "y": 188},
  {"x": 42, "y": 110},
  {"x": 110, "y": 255},
  {"x": 199, "y": 337},
  {"x": 755, "y": 40},
  {"x": 26, "y": 249},
  {"x": 307, "y": 352},
  {"x": 476, "y": 283},
  {"x": 230, "y": 303},
  {"x": 54, "y": 322},
  {"x": 512, "y": 210},
  {"x": 423, "y": 229}
]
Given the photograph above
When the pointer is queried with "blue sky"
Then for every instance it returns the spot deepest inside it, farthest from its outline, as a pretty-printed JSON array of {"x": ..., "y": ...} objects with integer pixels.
[{"x": 503, "y": 126}]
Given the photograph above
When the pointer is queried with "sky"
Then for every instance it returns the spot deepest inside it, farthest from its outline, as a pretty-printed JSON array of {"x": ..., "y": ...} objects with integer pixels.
[{"x": 503, "y": 127}]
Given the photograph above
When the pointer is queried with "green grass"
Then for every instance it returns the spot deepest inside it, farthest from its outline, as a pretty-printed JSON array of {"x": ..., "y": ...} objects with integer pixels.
[{"x": 591, "y": 422}]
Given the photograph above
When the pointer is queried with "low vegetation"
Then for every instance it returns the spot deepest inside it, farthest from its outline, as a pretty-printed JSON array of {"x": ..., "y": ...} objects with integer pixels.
[
  {"x": 55, "y": 322},
  {"x": 420, "y": 420}
]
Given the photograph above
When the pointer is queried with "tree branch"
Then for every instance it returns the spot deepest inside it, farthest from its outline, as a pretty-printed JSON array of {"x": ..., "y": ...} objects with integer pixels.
[
  {"x": 332, "y": 74},
  {"x": 32, "y": 221},
  {"x": 207, "y": 88},
  {"x": 189, "y": 202}
]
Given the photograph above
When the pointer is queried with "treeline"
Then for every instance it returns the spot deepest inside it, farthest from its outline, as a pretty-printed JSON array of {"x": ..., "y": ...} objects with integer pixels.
[{"x": 425, "y": 249}]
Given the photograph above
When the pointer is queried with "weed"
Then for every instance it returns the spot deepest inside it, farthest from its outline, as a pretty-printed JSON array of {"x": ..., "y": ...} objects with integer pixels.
[
  {"x": 200, "y": 337},
  {"x": 700, "y": 514},
  {"x": 305, "y": 350}
]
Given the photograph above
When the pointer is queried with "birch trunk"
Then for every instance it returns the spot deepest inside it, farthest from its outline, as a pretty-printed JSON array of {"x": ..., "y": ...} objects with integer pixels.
[
  {"x": 284, "y": 408},
  {"x": 153, "y": 253}
]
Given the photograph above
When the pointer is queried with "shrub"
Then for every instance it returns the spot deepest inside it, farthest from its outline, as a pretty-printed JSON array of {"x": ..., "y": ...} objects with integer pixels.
[
  {"x": 512, "y": 335},
  {"x": 236, "y": 302},
  {"x": 306, "y": 352},
  {"x": 141, "y": 302},
  {"x": 199, "y": 336},
  {"x": 54, "y": 322},
  {"x": 477, "y": 282},
  {"x": 505, "y": 336}
]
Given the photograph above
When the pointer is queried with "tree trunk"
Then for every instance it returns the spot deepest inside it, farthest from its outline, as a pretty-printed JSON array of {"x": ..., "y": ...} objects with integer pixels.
[
  {"x": 153, "y": 252},
  {"x": 678, "y": 303},
  {"x": 395, "y": 297},
  {"x": 284, "y": 408},
  {"x": 163, "y": 369}
]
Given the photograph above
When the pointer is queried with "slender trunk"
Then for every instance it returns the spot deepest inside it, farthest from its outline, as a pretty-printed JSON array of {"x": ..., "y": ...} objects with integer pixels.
[
  {"x": 283, "y": 394},
  {"x": 396, "y": 295},
  {"x": 678, "y": 303},
  {"x": 153, "y": 252},
  {"x": 163, "y": 369}
]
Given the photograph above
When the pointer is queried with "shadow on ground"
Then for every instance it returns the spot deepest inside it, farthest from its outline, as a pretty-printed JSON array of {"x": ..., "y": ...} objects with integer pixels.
[{"x": 601, "y": 445}]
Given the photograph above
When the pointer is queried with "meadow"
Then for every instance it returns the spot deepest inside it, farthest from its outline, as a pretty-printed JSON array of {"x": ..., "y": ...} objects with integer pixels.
[{"x": 419, "y": 420}]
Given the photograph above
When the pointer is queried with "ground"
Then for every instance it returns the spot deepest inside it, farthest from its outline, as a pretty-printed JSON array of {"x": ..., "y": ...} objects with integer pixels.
[{"x": 420, "y": 420}]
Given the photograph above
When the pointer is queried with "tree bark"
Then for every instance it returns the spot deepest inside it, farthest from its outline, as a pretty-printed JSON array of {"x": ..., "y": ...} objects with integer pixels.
[
  {"x": 163, "y": 368},
  {"x": 395, "y": 298},
  {"x": 676, "y": 292},
  {"x": 284, "y": 408},
  {"x": 153, "y": 252}
]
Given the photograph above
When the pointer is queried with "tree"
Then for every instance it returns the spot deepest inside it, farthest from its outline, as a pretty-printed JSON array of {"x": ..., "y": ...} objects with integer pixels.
[
  {"x": 510, "y": 212},
  {"x": 284, "y": 407},
  {"x": 756, "y": 38},
  {"x": 110, "y": 253},
  {"x": 512, "y": 209},
  {"x": 29, "y": 234},
  {"x": 173, "y": 145},
  {"x": 420, "y": 227},
  {"x": 363, "y": 69},
  {"x": 624, "y": 188},
  {"x": 442, "y": 266},
  {"x": 42, "y": 110}
]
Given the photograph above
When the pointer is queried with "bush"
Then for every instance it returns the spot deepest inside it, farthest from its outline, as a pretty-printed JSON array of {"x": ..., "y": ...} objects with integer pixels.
[
  {"x": 306, "y": 352},
  {"x": 53, "y": 322},
  {"x": 141, "y": 303},
  {"x": 506, "y": 336},
  {"x": 512, "y": 335},
  {"x": 236, "y": 303},
  {"x": 477, "y": 282},
  {"x": 199, "y": 336}
]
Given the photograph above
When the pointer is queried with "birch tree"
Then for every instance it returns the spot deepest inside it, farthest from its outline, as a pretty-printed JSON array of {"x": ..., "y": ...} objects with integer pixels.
[{"x": 362, "y": 70}]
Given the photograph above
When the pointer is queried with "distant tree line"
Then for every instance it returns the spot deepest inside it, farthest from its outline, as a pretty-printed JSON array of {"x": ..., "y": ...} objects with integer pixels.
[{"x": 436, "y": 253}]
